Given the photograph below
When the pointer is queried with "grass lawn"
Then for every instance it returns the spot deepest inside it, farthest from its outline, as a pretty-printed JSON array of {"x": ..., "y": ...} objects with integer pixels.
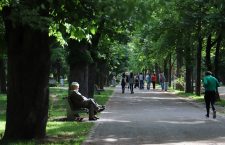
[
  {"x": 59, "y": 132},
  {"x": 198, "y": 98}
]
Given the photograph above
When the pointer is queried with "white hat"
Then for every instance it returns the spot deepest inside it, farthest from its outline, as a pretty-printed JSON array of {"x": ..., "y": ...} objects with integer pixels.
[{"x": 75, "y": 84}]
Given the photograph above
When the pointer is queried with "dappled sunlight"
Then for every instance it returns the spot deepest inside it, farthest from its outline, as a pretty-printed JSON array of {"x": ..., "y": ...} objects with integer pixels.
[
  {"x": 154, "y": 98},
  {"x": 188, "y": 122},
  {"x": 197, "y": 142},
  {"x": 183, "y": 122},
  {"x": 106, "y": 112},
  {"x": 113, "y": 120},
  {"x": 115, "y": 139},
  {"x": 164, "y": 98}
]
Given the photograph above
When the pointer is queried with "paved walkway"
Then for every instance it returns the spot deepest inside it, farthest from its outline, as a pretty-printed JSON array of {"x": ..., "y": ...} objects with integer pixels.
[
  {"x": 222, "y": 92},
  {"x": 155, "y": 117}
]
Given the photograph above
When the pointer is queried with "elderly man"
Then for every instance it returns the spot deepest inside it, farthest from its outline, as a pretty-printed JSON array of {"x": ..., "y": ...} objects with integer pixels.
[{"x": 80, "y": 101}]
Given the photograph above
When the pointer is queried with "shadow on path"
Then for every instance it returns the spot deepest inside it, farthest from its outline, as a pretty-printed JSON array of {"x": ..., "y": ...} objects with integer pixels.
[{"x": 154, "y": 117}]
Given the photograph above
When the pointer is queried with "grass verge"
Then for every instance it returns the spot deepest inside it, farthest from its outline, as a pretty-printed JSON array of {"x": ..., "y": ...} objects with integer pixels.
[
  {"x": 58, "y": 132},
  {"x": 196, "y": 98}
]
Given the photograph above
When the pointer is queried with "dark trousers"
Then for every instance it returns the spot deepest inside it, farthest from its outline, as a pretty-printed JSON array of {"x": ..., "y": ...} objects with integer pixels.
[
  {"x": 123, "y": 88},
  {"x": 210, "y": 99},
  {"x": 131, "y": 87},
  {"x": 92, "y": 107},
  {"x": 153, "y": 84}
]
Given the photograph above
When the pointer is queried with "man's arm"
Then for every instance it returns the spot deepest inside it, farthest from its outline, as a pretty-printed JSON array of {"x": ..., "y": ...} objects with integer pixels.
[
  {"x": 205, "y": 82},
  {"x": 217, "y": 83}
]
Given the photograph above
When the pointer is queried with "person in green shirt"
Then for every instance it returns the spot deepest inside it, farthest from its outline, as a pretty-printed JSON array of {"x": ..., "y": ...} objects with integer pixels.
[{"x": 211, "y": 85}]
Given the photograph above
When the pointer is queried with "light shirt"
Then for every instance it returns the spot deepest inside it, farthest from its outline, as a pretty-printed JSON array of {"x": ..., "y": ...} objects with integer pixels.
[{"x": 85, "y": 98}]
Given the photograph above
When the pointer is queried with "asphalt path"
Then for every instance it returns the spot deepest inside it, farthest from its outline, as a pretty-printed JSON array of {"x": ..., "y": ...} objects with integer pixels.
[{"x": 155, "y": 117}]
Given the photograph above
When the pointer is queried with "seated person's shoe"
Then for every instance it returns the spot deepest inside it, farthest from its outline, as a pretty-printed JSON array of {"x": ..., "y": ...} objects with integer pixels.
[
  {"x": 101, "y": 109},
  {"x": 214, "y": 114},
  {"x": 96, "y": 117},
  {"x": 79, "y": 119},
  {"x": 92, "y": 119}
]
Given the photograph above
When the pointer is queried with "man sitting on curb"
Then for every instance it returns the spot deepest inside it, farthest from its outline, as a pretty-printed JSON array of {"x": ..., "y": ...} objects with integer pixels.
[{"x": 80, "y": 101}]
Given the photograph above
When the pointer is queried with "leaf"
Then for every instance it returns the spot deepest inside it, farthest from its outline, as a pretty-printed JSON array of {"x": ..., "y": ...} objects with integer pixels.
[{"x": 93, "y": 30}]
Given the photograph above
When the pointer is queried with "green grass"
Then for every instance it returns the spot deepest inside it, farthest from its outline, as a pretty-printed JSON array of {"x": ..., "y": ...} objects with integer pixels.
[
  {"x": 190, "y": 96},
  {"x": 58, "y": 132},
  {"x": 198, "y": 98},
  {"x": 221, "y": 103}
]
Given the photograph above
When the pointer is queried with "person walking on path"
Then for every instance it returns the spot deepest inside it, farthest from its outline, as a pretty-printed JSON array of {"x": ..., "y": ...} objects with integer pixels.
[
  {"x": 162, "y": 80},
  {"x": 136, "y": 81},
  {"x": 148, "y": 80},
  {"x": 123, "y": 82},
  {"x": 154, "y": 80},
  {"x": 131, "y": 82},
  {"x": 211, "y": 85},
  {"x": 141, "y": 80}
]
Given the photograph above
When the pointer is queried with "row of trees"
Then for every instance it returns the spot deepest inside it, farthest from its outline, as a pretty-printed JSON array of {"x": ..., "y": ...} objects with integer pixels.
[
  {"x": 84, "y": 39},
  {"x": 87, "y": 40},
  {"x": 187, "y": 36}
]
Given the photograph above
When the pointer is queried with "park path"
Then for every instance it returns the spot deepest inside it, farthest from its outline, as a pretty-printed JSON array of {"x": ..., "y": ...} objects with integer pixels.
[{"x": 155, "y": 117}]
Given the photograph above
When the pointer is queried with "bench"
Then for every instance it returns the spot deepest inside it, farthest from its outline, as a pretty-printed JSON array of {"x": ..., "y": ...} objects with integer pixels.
[{"x": 76, "y": 111}]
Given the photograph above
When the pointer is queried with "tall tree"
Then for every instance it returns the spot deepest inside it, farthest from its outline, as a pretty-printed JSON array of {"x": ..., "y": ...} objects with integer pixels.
[{"x": 26, "y": 24}]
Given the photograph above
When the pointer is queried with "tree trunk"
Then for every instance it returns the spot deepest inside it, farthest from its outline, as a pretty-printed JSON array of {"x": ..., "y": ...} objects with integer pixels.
[
  {"x": 170, "y": 69},
  {"x": 199, "y": 58},
  {"x": 179, "y": 61},
  {"x": 78, "y": 62},
  {"x": 91, "y": 79},
  {"x": 217, "y": 56},
  {"x": 208, "y": 57},
  {"x": 2, "y": 76},
  {"x": 28, "y": 70},
  {"x": 165, "y": 68},
  {"x": 102, "y": 72},
  {"x": 188, "y": 64}
]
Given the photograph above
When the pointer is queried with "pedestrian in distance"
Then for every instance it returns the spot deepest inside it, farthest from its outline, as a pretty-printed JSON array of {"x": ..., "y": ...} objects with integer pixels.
[
  {"x": 131, "y": 82},
  {"x": 136, "y": 79},
  {"x": 162, "y": 80},
  {"x": 148, "y": 81},
  {"x": 141, "y": 81},
  {"x": 123, "y": 82},
  {"x": 154, "y": 78},
  {"x": 211, "y": 85}
]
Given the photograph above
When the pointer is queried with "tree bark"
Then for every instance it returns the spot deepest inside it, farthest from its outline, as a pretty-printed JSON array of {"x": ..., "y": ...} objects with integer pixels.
[
  {"x": 2, "y": 75},
  {"x": 179, "y": 61},
  {"x": 188, "y": 64},
  {"x": 78, "y": 68},
  {"x": 79, "y": 73},
  {"x": 28, "y": 70},
  {"x": 199, "y": 57},
  {"x": 208, "y": 57},
  {"x": 102, "y": 74},
  {"x": 91, "y": 79},
  {"x": 217, "y": 56}
]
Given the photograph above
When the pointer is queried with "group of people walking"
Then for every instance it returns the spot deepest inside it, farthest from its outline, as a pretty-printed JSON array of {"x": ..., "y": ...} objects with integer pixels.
[
  {"x": 137, "y": 81},
  {"x": 210, "y": 84}
]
